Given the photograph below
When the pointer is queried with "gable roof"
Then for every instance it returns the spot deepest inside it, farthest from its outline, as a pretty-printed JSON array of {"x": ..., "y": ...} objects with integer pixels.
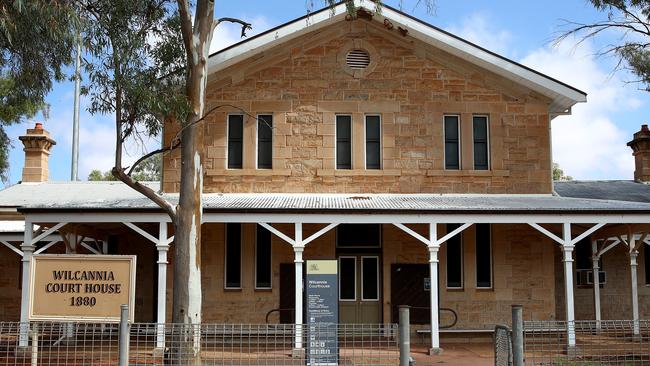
[
  {"x": 618, "y": 190},
  {"x": 563, "y": 96}
]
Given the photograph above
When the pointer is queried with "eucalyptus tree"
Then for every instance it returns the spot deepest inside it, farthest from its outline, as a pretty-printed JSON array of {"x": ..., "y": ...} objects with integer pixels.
[{"x": 628, "y": 23}]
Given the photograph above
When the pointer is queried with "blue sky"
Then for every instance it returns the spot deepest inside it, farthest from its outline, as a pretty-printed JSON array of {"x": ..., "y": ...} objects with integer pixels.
[{"x": 589, "y": 144}]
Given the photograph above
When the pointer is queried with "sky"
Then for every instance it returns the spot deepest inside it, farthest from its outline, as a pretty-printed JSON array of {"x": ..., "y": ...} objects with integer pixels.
[{"x": 590, "y": 144}]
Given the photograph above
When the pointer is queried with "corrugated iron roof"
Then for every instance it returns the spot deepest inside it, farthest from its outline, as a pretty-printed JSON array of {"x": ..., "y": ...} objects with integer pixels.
[
  {"x": 116, "y": 196},
  {"x": 619, "y": 190}
]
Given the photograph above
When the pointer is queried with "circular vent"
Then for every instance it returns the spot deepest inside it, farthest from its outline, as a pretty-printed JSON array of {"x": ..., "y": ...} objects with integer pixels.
[{"x": 358, "y": 59}]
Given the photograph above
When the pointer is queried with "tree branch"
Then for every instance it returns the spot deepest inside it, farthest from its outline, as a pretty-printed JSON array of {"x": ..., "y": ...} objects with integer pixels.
[
  {"x": 186, "y": 26},
  {"x": 163, "y": 150},
  {"x": 244, "y": 25},
  {"x": 146, "y": 191}
]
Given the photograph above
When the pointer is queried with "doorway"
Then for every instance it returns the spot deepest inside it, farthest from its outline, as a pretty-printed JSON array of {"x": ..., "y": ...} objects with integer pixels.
[{"x": 359, "y": 289}]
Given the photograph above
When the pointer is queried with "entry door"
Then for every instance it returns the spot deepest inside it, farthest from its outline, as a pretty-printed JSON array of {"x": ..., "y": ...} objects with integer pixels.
[{"x": 359, "y": 289}]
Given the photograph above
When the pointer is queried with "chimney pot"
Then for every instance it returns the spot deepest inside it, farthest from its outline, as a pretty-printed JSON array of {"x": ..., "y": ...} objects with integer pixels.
[{"x": 37, "y": 142}]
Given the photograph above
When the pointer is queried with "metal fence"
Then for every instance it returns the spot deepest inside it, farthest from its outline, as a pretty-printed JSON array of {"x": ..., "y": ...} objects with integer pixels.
[
  {"x": 612, "y": 342},
  {"x": 214, "y": 344}
]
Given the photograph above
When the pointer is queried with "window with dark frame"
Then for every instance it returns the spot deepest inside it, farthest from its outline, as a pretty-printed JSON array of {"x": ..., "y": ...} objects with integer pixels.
[
  {"x": 583, "y": 255},
  {"x": 233, "y": 255},
  {"x": 373, "y": 142},
  {"x": 646, "y": 260},
  {"x": 347, "y": 271},
  {"x": 452, "y": 142},
  {"x": 370, "y": 278},
  {"x": 263, "y": 258},
  {"x": 235, "y": 141},
  {"x": 265, "y": 141},
  {"x": 483, "y": 256},
  {"x": 454, "y": 259},
  {"x": 480, "y": 133},
  {"x": 343, "y": 142}
]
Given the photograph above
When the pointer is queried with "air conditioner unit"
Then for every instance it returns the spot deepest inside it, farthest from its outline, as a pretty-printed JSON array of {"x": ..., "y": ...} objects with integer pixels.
[
  {"x": 602, "y": 277},
  {"x": 585, "y": 277}
]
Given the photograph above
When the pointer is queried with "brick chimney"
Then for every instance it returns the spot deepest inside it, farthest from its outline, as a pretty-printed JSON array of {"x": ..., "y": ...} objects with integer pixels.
[
  {"x": 37, "y": 143},
  {"x": 641, "y": 150}
]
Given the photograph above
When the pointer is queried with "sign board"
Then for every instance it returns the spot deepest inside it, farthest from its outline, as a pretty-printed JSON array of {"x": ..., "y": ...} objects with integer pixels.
[
  {"x": 322, "y": 312},
  {"x": 70, "y": 287}
]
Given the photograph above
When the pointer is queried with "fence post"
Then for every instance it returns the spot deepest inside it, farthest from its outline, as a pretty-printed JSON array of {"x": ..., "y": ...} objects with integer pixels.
[
  {"x": 404, "y": 336},
  {"x": 123, "y": 345},
  {"x": 517, "y": 336}
]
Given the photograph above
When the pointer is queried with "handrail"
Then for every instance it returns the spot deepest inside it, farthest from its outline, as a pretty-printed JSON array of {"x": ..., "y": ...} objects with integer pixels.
[
  {"x": 452, "y": 311},
  {"x": 278, "y": 310}
]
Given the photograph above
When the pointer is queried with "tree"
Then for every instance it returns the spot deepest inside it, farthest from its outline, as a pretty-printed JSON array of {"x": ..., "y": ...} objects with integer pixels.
[
  {"x": 629, "y": 21},
  {"x": 36, "y": 37},
  {"x": 150, "y": 170},
  {"x": 558, "y": 174}
]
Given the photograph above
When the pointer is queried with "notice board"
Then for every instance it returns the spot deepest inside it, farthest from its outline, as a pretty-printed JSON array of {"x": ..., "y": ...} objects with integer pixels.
[{"x": 322, "y": 305}]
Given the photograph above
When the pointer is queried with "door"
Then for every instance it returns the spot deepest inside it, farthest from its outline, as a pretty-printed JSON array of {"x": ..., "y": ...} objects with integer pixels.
[{"x": 359, "y": 289}]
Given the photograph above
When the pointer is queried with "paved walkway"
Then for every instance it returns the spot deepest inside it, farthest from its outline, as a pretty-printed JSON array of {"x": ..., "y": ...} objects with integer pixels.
[{"x": 457, "y": 354}]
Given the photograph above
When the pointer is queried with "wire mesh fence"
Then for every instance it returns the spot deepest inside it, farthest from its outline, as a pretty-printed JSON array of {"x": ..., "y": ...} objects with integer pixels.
[
  {"x": 213, "y": 344},
  {"x": 610, "y": 342}
]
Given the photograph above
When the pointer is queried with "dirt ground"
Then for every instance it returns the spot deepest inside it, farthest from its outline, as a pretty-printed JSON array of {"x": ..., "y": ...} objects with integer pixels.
[{"x": 457, "y": 354}]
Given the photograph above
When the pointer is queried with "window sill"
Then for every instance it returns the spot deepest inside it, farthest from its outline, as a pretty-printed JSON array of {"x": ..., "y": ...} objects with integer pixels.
[
  {"x": 358, "y": 172},
  {"x": 468, "y": 173},
  {"x": 238, "y": 172}
]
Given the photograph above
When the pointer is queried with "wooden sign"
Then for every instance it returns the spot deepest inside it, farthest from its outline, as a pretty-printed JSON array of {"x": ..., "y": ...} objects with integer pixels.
[{"x": 70, "y": 287}]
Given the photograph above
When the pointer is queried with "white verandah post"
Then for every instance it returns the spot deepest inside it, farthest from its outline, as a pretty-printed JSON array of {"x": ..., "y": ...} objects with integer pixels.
[
  {"x": 28, "y": 250},
  {"x": 162, "y": 246},
  {"x": 434, "y": 247},
  {"x": 298, "y": 249},
  {"x": 567, "y": 248},
  {"x": 631, "y": 241},
  {"x": 596, "y": 276}
]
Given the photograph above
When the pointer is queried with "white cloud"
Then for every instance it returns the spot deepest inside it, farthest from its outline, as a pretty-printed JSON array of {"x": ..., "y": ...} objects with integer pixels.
[
  {"x": 477, "y": 28},
  {"x": 588, "y": 144}
]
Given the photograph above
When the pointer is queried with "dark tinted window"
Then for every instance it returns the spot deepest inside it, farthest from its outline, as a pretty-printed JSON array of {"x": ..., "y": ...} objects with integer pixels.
[
  {"x": 347, "y": 278},
  {"x": 370, "y": 284},
  {"x": 235, "y": 140},
  {"x": 343, "y": 142},
  {"x": 483, "y": 256},
  {"x": 480, "y": 128},
  {"x": 646, "y": 259},
  {"x": 233, "y": 255},
  {"x": 452, "y": 143},
  {"x": 264, "y": 141},
  {"x": 583, "y": 254},
  {"x": 454, "y": 258},
  {"x": 373, "y": 142},
  {"x": 263, "y": 258},
  {"x": 358, "y": 235}
]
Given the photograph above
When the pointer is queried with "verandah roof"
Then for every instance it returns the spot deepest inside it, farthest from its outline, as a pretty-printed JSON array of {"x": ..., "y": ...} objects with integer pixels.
[{"x": 116, "y": 196}]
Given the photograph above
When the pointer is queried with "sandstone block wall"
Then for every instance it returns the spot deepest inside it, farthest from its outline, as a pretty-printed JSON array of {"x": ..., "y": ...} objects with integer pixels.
[{"x": 303, "y": 84}]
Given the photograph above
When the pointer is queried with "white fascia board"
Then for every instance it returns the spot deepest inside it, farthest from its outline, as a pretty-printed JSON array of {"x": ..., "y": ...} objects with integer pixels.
[{"x": 231, "y": 56}]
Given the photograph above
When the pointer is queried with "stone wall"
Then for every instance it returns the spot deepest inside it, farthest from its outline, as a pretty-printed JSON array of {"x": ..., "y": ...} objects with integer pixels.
[{"x": 303, "y": 84}]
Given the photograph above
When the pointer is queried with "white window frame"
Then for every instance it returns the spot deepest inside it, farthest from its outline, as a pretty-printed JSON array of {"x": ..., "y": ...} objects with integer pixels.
[
  {"x": 444, "y": 143},
  {"x": 355, "y": 277},
  {"x": 376, "y": 257},
  {"x": 225, "y": 257},
  {"x": 487, "y": 125},
  {"x": 257, "y": 140},
  {"x": 270, "y": 287},
  {"x": 243, "y": 124},
  {"x": 365, "y": 142},
  {"x": 491, "y": 260},
  {"x": 351, "y": 141},
  {"x": 462, "y": 264}
]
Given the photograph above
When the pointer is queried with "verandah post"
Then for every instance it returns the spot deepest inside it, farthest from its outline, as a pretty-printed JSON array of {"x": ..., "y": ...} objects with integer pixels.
[
  {"x": 298, "y": 249},
  {"x": 28, "y": 250},
  {"x": 434, "y": 247},
  {"x": 162, "y": 246},
  {"x": 567, "y": 248},
  {"x": 596, "y": 275}
]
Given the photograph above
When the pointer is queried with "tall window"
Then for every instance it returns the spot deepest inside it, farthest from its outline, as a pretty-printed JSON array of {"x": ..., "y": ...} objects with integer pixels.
[
  {"x": 481, "y": 153},
  {"x": 235, "y": 140},
  {"x": 264, "y": 141},
  {"x": 373, "y": 142},
  {"x": 343, "y": 142},
  {"x": 263, "y": 258},
  {"x": 646, "y": 259},
  {"x": 483, "y": 256},
  {"x": 454, "y": 259},
  {"x": 233, "y": 255},
  {"x": 452, "y": 142}
]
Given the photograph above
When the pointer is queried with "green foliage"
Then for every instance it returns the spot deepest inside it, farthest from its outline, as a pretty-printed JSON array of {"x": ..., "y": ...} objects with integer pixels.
[
  {"x": 36, "y": 38},
  {"x": 149, "y": 170},
  {"x": 558, "y": 174}
]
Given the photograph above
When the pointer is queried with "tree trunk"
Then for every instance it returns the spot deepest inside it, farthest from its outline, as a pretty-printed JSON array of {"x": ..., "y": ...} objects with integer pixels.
[{"x": 187, "y": 237}]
